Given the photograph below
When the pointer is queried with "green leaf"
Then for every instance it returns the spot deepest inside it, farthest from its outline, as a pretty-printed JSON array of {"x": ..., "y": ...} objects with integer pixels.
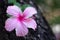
[
  {"x": 12, "y": 1},
  {"x": 17, "y": 4},
  {"x": 24, "y": 6},
  {"x": 8, "y": 15},
  {"x": 55, "y": 20}
]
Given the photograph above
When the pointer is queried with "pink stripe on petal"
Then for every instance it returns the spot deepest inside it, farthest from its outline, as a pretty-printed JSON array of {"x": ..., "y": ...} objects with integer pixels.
[
  {"x": 29, "y": 11},
  {"x": 13, "y": 10},
  {"x": 10, "y": 24},
  {"x": 21, "y": 30},
  {"x": 14, "y": 23},
  {"x": 30, "y": 23}
]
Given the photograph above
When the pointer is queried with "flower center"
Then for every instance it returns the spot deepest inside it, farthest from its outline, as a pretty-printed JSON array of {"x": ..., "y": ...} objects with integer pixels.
[{"x": 21, "y": 17}]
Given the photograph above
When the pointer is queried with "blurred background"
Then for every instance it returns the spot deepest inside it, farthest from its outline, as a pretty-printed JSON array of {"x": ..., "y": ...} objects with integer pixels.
[{"x": 51, "y": 11}]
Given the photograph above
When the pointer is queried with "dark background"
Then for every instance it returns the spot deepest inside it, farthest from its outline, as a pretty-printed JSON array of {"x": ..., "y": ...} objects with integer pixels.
[{"x": 43, "y": 31}]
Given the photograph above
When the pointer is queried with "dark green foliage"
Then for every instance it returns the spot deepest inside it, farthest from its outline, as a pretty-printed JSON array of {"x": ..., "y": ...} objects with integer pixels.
[
  {"x": 56, "y": 20},
  {"x": 56, "y": 3},
  {"x": 40, "y": 1},
  {"x": 24, "y": 6},
  {"x": 12, "y": 1}
]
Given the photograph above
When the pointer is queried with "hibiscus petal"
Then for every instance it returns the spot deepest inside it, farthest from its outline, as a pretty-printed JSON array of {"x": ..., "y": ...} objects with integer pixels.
[
  {"x": 29, "y": 11},
  {"x": 13, "y": 10},
  {"x": 30, "y": 23},
  {"x": 10, "y": 24},
  {"x": 21, "y": 30}
]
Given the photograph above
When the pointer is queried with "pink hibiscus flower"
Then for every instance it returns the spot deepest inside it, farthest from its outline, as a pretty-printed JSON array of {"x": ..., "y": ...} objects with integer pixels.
[{"x": 20, "y": 21}]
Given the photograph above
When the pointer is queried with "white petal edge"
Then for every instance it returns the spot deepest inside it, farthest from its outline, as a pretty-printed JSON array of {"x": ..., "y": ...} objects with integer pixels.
[
  {"x": 29, "y": 11},
  {"x": 10, "y": 24},
  {"x": 30, "y": 23},
  {"x": 13, "y": 10},
  {"x": 21, "y": 30}
]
